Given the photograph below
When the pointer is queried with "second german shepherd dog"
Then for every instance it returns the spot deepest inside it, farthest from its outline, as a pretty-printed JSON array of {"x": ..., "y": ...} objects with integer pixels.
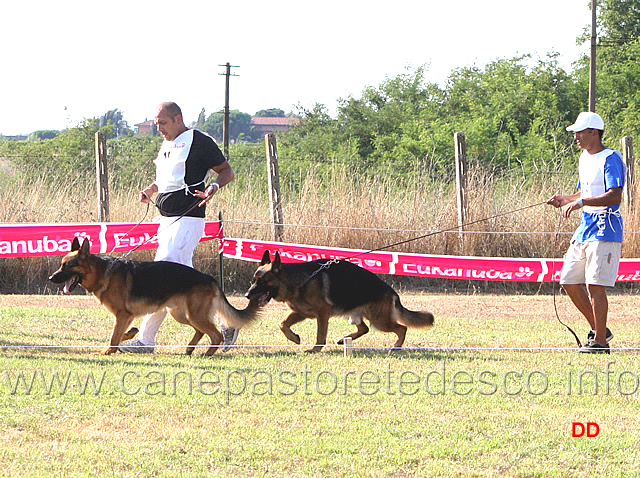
[
  {"x": 321, "y": 289},
  {"x": 130, "y": 289}
]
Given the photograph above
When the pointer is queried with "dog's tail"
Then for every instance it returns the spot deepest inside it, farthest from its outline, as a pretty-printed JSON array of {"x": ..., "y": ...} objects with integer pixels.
[
  {"x": 232, "y": 317},
  {"x": 413, "y": 319}
]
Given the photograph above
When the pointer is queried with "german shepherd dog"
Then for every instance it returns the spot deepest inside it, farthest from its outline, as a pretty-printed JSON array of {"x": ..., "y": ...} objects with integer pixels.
[
  {"x": 130, "y": 289},
  {"x": 321, "y": 289}
]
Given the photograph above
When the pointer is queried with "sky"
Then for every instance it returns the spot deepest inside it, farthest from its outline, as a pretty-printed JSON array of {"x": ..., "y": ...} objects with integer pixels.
[{"x": 67, "y": 60}]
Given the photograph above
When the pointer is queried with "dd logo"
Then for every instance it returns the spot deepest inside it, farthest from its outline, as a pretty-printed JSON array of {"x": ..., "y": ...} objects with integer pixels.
[{"x": 590, "y": 429}]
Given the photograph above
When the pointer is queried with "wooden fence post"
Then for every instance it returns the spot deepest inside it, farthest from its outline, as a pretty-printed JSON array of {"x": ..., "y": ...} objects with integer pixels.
[
  {"x": 275, "y": 200},
  {"x": 629, "y": 184},
  {"x": 102, "y": 178},
  {"x": 461, "y": 179}
]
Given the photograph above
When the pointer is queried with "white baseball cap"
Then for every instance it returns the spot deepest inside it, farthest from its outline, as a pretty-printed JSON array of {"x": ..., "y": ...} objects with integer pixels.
[{"x": 586, "y": 120}]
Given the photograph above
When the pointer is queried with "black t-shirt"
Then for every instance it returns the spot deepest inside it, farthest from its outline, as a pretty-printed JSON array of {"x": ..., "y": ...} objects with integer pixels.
[{"x": 203, "y": 154}]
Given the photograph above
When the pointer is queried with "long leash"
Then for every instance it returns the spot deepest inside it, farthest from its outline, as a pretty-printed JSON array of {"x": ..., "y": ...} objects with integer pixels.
[
  {"x": 126, "y": 234},
  {"x": 432, "y": 233},
  {"x": 151, "y": 201},
  {"x": 553, "y": 273}
]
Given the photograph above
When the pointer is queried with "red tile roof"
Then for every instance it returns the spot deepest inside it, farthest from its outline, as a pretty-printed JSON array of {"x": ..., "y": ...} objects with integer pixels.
[{"x": 273, "y": 121}]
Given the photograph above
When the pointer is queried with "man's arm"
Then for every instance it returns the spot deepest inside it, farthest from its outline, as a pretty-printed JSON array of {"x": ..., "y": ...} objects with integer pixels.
[
  {"x": 225, "y": 173},
  {"x": 225, "y": 176},
  {"x": 574, "y": 202},
  {"x": 612, "y": 197}
]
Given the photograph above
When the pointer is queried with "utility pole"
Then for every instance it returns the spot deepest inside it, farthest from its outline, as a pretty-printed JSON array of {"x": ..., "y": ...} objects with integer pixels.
[
  {"x": 225, "y": 124},
  {"x": 592, "y": 63}
]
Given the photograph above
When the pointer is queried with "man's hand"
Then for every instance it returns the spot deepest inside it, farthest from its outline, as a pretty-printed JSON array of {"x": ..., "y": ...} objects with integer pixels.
[
  {"x": 557, "y": 200},
  {"x": 569, "y": 208},
  {"x": 145, "y": 195},
  {"x": 207, "y": 194},
  {"x": 567, "y": 203}
]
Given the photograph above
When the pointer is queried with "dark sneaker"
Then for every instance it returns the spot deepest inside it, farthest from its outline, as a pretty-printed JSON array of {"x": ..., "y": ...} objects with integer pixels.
[
  {"x": 595, "y": 348},
  {"x": 592, "y": 335},
  {"x": 229, "y": 337},
  {"x": 136, "y": 347}
]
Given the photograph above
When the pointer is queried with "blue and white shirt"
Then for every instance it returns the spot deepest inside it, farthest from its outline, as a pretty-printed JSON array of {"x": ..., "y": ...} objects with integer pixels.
[{"x": 598, "y": 173}]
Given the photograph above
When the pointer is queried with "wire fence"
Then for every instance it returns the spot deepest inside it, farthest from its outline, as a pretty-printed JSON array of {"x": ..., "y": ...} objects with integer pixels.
[{"x": 340, "y": 347}]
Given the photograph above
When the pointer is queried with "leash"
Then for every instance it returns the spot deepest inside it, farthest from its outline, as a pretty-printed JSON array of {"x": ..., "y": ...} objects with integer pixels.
[
  {"x": 553, "y": 273},
  {"x": 327, "y": 264},
  {"x": 433, "y": 233},
  {"x": 127, "y": 233},
  {"x": 151, "y": 201}
]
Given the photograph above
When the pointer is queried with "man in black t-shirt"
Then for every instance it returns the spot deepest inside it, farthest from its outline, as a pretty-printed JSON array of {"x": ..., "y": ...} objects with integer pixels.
[{"x": 184, "y": 162}]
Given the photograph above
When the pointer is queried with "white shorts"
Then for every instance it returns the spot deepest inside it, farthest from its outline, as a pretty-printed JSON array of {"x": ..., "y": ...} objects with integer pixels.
[
  {"x": 591, "y": 263},
  {"x": 177, "y": 239}
]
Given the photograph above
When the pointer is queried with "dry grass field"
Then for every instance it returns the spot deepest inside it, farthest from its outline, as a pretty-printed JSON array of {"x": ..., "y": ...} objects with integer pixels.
[{"x": 507, "y": 217}]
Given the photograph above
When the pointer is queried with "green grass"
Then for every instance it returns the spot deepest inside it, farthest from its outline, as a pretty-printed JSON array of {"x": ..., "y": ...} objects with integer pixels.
[{"x": 277, "y": 411}]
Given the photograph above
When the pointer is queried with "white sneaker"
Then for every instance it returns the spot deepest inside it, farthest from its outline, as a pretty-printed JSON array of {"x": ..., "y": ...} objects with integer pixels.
[
  {"x": 229, "y": 337},
  {"x": 136, "y": 347}
]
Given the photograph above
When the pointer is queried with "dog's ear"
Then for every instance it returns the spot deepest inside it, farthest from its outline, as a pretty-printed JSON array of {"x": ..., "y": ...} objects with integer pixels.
[
  {"x": 75, "y": 245},
  {"x": 84, "y": 249},
  {"x": 265, "y": 258},
  {"x": 276, "y": 263}
]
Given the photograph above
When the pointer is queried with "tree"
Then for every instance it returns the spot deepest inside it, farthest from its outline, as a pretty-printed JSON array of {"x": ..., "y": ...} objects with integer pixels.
[
  {"x": 43, "y": 134},
  {"x": 240, "y": 128},
  {"x": 70, "y": 154},
  {"x": 619, "y": 20},
  {"x": 513, "y": 112},
  {"x": 113, "y": 123},
  {"x": 270, "y": 113},
  {"x": 618, "y": 70},
  {"x": 317, "y": 137},
  {"x": 199, "y": 124}
]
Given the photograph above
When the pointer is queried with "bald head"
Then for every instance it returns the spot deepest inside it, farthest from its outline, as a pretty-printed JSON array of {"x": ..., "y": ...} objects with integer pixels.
[
  {"x": 172, "y": 109},
  {"x": 169, "y": 120}
]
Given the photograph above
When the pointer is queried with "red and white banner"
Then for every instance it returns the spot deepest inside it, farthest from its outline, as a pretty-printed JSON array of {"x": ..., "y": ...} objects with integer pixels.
[
  {"x": 421, "y": 265},
  {"x": 32, "y": 240}
]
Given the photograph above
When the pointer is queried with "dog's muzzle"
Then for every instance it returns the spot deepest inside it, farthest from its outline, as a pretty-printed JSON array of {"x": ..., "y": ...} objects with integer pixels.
[
  {"x": 70, "y": 281},
  {"x": 262, "y": 298}
]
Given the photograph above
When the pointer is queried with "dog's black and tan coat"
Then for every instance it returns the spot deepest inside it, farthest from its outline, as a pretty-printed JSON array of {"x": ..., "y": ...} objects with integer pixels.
[
  {"x": 320, "y": 290},
  {"x": 130, "y": 289}
]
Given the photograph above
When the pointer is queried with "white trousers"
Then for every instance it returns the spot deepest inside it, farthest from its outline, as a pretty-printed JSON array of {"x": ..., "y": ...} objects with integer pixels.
[{"x": 176, "y": 242}]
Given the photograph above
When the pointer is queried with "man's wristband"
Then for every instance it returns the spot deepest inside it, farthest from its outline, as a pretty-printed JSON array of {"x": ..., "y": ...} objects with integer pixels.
[
  {"x": 580, "y": 202},
  {"x": 216, "y": 185}
]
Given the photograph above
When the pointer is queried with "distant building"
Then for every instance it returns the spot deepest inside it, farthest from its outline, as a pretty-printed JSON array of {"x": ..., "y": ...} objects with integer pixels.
[
  {"x": 146, "y": 128},
  {"x": 19, "y": 137},
  {"x": 273, "y": 124}
]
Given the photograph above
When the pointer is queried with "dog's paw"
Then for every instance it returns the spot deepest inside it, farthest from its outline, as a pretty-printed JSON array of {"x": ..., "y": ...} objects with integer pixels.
[
  {"x": 131, "y": 333},
  {"x": 110, "y": 350},
  {"x": 288, "y": 333}
]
